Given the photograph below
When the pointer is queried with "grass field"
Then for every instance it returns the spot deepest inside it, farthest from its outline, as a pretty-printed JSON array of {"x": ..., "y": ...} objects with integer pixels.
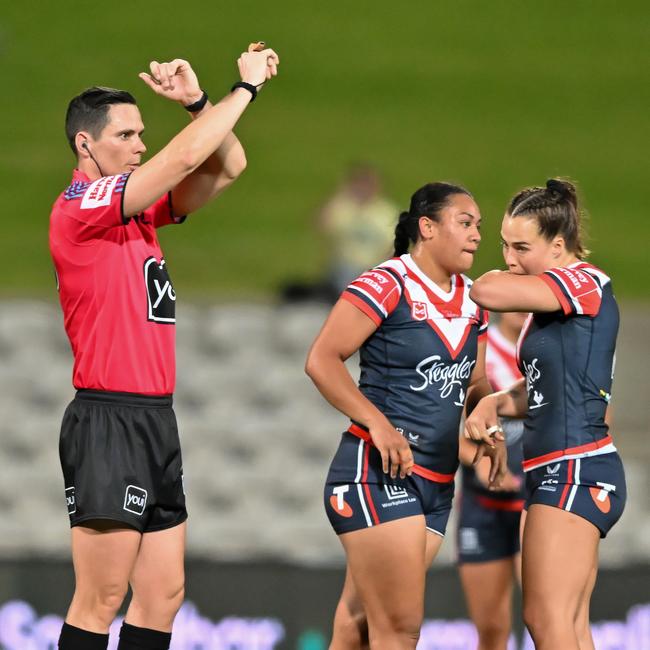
[{"x": 495, "y": 95}]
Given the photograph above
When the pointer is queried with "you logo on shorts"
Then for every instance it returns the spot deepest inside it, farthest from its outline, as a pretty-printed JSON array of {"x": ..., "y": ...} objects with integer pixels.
[
  {"x": 135, "y": 499},
  {"x": 70, "y": 500}
]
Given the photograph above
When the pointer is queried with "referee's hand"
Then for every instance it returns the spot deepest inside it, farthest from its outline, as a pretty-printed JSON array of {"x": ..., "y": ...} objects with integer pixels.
[
  {"x": 256, "y": 67},
  {"x": 175, "y": 80}
]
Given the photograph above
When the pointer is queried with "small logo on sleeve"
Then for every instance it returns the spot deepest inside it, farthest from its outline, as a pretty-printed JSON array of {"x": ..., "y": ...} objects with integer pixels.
[
  {"x": 70, "y": 500},
  {"x": 135, "y": 499},
  {"x": 99, "y": 193}
]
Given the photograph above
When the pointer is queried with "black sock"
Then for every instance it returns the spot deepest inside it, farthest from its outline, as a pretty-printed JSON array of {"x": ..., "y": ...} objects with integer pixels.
[
  {"x": 141, "y": 638},
  {"x": 74, "y": 638}
]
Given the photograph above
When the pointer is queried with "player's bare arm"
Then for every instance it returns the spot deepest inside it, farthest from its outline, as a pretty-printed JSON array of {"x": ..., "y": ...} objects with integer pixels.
[
  {"x": 342, "y": 335},
  {"x": 511, "y": 402},
  {"x": 490, "y": 441},
  {"x": 506, "y": 291},
  {"x": 190, "y": 149}
]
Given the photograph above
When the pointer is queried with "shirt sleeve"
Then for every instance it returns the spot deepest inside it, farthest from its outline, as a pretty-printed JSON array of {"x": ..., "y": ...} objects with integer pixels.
[
  {"x": 375, "y": 292},
  {"x": 101, "y": 204},
  {"x": 162, "y": 212},
  {"x": 483, "y": 322},
  {"x": 577, "y": 292}
]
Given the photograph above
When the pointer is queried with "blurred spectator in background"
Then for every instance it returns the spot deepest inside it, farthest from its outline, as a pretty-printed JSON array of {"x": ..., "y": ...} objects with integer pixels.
[{"x": 358, "y": 223}]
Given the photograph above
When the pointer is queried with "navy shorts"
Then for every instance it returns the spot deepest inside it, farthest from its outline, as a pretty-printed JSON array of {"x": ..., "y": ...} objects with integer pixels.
[
  {"x": 592, "y": 487},
  {"x": 359, "y": 495},
  {"x": 488, "y": 529},
  {"x": 121, "y": 460}
]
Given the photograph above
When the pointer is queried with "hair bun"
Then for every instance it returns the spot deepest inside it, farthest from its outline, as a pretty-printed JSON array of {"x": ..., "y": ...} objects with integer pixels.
[
  {"x": 565, "y": 189},
  {"x": 404, "y": 216}
]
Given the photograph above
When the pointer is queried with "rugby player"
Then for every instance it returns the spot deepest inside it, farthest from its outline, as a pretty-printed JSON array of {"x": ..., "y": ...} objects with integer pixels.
[
  {"x": 574, "y": 476},
  {"x": 390, "y": 486},
  {"x": 487, "y": 539},
  {"x": 119, "y": 445}
]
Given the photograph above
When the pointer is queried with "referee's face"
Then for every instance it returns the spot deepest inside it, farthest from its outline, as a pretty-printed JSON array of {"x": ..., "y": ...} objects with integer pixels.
[{"x": 119, "y": 147}]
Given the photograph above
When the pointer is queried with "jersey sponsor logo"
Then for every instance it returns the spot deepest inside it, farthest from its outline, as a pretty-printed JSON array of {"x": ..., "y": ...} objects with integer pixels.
[
  {"x": 549, "y": 484},
  {"x": 395, "y": 492},
  {"x": 434, "y": 371},
  {"x": 533, "y": 373},
  {"x": 135, "y": 499},
  {"x": 71, "y": 500},
  {"x": 364, "y": 279},
  {"x": 553, "y": 470},
  {"x": 419, "y": 311},
  {"x": 161, "y": 298},
  {"x": 99, "y": 193},
  {"x": 601, "y": 497},
  {"x": 338, "y": 503}
]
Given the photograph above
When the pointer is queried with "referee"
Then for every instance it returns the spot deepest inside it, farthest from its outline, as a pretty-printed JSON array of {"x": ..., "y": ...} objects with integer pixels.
[{"x": 119, "y": 444}]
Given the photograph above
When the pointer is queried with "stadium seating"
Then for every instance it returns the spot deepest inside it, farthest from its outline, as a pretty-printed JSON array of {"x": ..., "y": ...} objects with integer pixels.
[{"x": 257, "y": 436}]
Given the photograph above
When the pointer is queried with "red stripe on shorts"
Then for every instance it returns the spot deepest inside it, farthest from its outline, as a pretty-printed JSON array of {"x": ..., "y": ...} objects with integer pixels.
[
  {"x": 366, "y": 487},
  {"x": 567, "y": 486}
]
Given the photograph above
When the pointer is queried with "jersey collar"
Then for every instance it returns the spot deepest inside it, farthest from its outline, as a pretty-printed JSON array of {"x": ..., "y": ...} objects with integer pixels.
[{"x": 78, "y": 175}]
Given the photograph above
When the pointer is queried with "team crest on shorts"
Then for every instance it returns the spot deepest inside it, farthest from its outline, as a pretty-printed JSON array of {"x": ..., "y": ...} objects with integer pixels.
[
  {"x": 70, "y": 500},
  {"x": 135, "y": 499}
]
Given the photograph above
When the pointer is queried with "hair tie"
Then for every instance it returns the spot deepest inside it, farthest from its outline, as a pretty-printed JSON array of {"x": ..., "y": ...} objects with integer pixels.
[{"x": 559, "y": 187}]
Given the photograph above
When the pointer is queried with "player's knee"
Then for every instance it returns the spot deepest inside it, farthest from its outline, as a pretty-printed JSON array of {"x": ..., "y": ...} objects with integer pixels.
[
  {"x": 161, "y": 604},
  {"x": 403, "y": 625},
  {"x": 494, "y": 632},
  {"x": 543, "y": 618},
  {"x": 107, "y": 601},
  {"x": 351, "y": 624}
]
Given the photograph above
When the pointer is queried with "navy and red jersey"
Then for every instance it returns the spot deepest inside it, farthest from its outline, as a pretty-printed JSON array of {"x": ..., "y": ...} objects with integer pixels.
[
  {"x": 415, "y": 368},
  {"x": 117, "y": 298},
  {"x": 567, "y": 358},
  {"x": 501, "y": 371}
]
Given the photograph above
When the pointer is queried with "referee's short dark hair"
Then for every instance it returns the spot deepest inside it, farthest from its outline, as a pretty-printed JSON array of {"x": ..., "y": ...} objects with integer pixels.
[{"x": 89, "y": 111}]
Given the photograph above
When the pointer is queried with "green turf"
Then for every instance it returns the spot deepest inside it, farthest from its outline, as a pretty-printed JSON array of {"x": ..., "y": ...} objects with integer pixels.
[{"x": 495, "y": 95}]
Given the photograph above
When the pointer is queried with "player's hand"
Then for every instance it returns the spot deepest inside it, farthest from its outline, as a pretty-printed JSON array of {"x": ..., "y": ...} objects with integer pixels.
[
  {"x": 510, "y": 483},
  {"x": 482, "y": 425},
  {"x": 173, "y": 80},
  {"x": 396, "y": 455},
  {"x": 257, "y": 66},
  {"x": 498, "y": 456}
]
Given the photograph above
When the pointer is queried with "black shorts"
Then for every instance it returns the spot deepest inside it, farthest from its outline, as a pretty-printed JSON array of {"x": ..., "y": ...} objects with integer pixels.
[
  {"x": 121, "y": 460},
  {"x": 359, "y": 495},
  {"x": 488, "y": 529}
]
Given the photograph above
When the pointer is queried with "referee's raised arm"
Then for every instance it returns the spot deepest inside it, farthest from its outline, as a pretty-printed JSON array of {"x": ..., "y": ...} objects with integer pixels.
[{"x": 188, "y": 150}]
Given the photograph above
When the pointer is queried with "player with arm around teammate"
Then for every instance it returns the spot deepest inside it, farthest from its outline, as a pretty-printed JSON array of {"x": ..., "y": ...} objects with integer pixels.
[
  {"x": 574, "y": 476},
  {"x": 119, "y": 445},
  {"x": 390, "y": 486}
]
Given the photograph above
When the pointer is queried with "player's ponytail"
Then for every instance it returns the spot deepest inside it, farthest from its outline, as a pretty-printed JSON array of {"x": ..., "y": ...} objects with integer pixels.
[
  {"x": 428, "y": 201},
  {"x": 402, "y": 236},
  {"x": 555, "y": 207}
]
